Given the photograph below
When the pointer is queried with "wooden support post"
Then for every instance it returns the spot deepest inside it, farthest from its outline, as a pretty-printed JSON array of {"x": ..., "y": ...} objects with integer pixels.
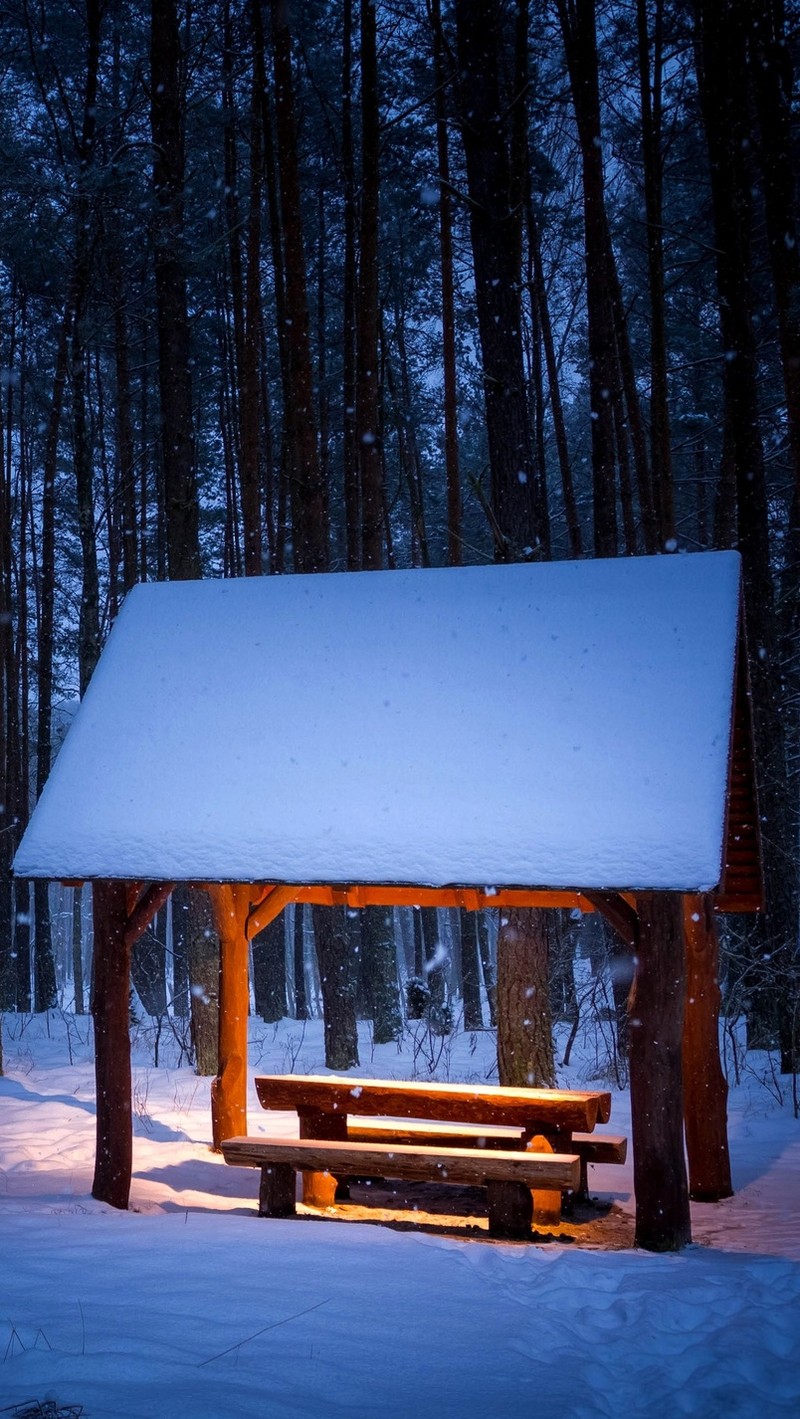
[
  {"x": 229, "y": 1090},
  {"x": 111, "y": 1012},
  {"x": 705, "y": 1090},
  {"x": 655, "y": 1012}
]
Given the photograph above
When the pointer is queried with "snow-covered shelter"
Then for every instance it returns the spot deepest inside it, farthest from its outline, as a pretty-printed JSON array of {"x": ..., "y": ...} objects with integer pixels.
[{"x": 541, "y": 734}]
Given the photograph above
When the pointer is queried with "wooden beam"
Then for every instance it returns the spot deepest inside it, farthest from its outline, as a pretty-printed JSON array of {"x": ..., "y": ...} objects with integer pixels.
[
  {"x": 390, "y": 895},
  {"x": 270, "y": 905},
  {"x": 150, "y": 902},
  {"x": 619, "y": 912}
]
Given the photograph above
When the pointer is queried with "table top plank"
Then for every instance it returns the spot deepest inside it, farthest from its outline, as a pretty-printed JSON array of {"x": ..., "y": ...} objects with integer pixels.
[{"x": 557, "y": 1110}]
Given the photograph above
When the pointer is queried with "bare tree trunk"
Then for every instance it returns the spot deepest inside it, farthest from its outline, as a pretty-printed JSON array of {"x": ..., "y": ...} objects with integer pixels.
[
  {"x": 368, "y": 429},
  {"x": 450, "y": 410},
  {"x": 300, "y": 998},
  {"x": 77, "y": 951},
  {"x": 352, "y": 495},
  {"x": 541, "y": 305},
  {"x": 524, "y": 1022},
  {"x": 651, "y": 97},
  {"x": 720, "y": 42},
  {"x": 471, "y": 970},
  {"x": 307, "y": 494},
  {"x": 381, "y": 973},
  {"x": 495, "y": 233},
  {"x": 770, "y": 68},
  {"x": 269, "y": 971},
  {"x": 338, "y": 981},
  {"x": 167, "y": 103},
  {"x": 148, "y": 967},
  {"x": 578, "y": 27},
  {"x": 204, "y": 955}
]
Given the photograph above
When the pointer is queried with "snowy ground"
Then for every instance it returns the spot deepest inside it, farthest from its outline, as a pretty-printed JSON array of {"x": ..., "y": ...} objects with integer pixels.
[{"x": 189, "y": 1305}]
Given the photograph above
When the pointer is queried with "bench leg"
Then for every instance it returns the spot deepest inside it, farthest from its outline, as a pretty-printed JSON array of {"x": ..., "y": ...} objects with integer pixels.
[
  {"x": 546, "y": 1202},
  {"x": 319, "y": 1189},
  {"x": 510, "y": 1207},
  {"x": 276, "y": 1192}
]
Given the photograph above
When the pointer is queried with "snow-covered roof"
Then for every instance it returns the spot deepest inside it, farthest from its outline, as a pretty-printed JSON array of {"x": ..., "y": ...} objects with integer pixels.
[{"x": 546, "y": 725}]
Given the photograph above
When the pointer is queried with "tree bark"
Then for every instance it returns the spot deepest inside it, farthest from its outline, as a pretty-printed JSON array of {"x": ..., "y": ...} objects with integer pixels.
[
  {"x": 338, "y": 980},
  {"x": 203, "y": 942},
  {"x": 352, "y": 495},
  {"x": 495, "y": 234},
  {"x": 167, "y": 109},
  {"x": 578, "y": 27},
  {"x": 368, "y": 422},
  {"x": 471, "y": 970},
  {"x": 300, "y": 998},
  {"x": 77, "y": 951},
  {"x": 269, "y": 971},
  {"x": 720, "y": 44},
  {"x": 450, "y": 403},
  {"x": 381, "y": 972},
  {"x": 148, "y": 962},
  {"x": 307, "y": 494},
  {"x": 524, "y": 1022},
  {"x": 656, "y": 1012}
]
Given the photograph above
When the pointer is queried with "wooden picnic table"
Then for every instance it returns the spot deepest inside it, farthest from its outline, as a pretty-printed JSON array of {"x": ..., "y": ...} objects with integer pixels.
[
  {"x": 324, "y": 1102},
  {"x": 338, "y": 1109}
]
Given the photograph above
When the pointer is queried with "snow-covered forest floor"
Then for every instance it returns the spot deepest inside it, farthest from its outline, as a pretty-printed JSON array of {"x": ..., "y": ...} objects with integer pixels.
[{"x": 189, "y": 1305}]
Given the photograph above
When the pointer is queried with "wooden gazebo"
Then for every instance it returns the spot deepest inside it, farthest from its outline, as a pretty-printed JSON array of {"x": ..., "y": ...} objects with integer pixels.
[{"x": 564, "y": 734}]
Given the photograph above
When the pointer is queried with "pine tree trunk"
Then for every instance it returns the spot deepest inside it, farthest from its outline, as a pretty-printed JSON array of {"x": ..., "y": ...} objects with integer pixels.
[
  {"x": 471, "y": 970},
  {"x": 148, "y": 966},
  {"x": 578, "y": 27},
  {"x": 720, "y": 42},
  {"x": 300, "y": 997},
  {"x": 306, "y": 492},
  {"x": 269, "y": 971},
  {"x": 167, "y": 102},
  {"x": 495, "y": 235},
  {"x": 381, "y": 970},
  {"x": 368, "y": 424},
  {"x": 338, "y": 980},
  {"x": 77, "y": 951},
  {"x": 204, "y": 957},
  {"x": 524, "y": 1023},
  {"x": 650, "y": 86},
  {"x": 450, "y": 402}
]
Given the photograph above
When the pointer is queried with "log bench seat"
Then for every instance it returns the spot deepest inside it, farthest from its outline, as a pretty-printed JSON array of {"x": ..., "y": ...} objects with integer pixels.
[
  {"x": 508, "y": 1176},
  {"x": 590, "y": 1147}
]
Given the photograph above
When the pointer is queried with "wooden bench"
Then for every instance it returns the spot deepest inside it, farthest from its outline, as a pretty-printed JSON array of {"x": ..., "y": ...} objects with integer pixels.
[
  {"x": 508, "y": 1177},
  {"x": 590, "y": 1147}
]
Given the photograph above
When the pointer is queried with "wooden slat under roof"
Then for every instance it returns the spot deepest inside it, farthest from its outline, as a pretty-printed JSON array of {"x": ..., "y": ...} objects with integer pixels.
[{"x": 468, "y": 733}]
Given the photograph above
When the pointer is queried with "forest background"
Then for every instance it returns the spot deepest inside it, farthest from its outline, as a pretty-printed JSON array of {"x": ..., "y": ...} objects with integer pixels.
[{"x": 351, "y": 285}]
